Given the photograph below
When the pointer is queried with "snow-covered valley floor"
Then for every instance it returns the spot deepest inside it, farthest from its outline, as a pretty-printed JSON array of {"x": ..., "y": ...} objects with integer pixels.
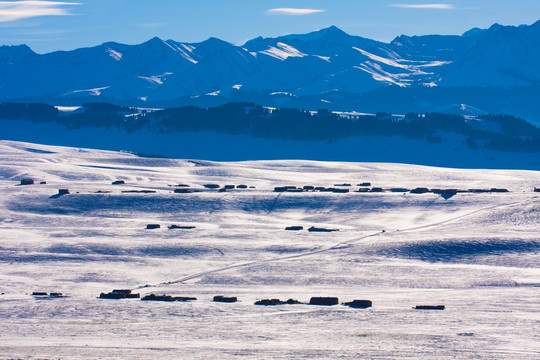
[{"x": 476, "y": 253}]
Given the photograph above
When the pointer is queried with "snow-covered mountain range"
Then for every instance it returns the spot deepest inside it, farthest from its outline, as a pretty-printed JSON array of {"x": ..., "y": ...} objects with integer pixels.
[{"x": 491, "y": 70}]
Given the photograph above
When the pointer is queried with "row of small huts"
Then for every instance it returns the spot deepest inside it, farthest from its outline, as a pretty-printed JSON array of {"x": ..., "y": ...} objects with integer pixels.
[{"x": 322, "y": 301}]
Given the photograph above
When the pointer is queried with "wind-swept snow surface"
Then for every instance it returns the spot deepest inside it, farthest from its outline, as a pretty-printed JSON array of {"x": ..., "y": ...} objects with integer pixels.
[{"x": 477, "y": 253}]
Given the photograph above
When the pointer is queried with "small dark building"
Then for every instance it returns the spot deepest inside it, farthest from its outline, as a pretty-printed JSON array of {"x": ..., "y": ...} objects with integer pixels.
[
  {"x": 39, "y": 293},
  {"x": 211, "y": 186},
  {"x": 419, "y": 190},
  {"x": 342, "y": 184},
  {"x": 292, "y": 302},
  {"x": 269, "y": 302},
  {"x": 536, "y": 189},
  {"x": 133, "y": 296},
  {"x": 225, "y": 299},
  {"x": 340, "y": 191},
  {"x": 320, "y": 188},
  {"x": 43, "y": 183},
  {"x": 120, "y": 294},
  {"x": 316, "y": 229},
  {"x": 182, "y": 185},
  {"x": 495, "y": 190},
  {"x": 171, "y": 227},
  {"x": 308, "y": 188},
  {"x": 362, "y": 190},
  {"x": 445, "y": 191},
  {"x": 327, "y": 301},
  {"x": 183, "y": 191},
  {"x": 153, "y": 226},
  {"x": 284, "y": 188},
  {"x": 241, "y": 187},
  {"x": 118, "y": 182},
  {"x": 27, "y": 182},
  {"x": 153, "y": 297},
  {"x": 138, "y": 191},
  {"x": 364, "y": 184},
  {"x": 63, "y": 191},
  {"x": 377, "y": 189},
  {"x": 229, "y": 187},
  {"x": 429, "y": 307},
  {"x": 294, "y": 228},
  {"x": 359, "y": 304},
  {"x": 111, "y": 296},
  {"x": 399, "y": 190}
]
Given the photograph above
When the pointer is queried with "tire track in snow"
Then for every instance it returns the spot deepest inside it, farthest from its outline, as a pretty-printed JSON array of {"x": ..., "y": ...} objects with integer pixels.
[{"x": 329, "y": 248}]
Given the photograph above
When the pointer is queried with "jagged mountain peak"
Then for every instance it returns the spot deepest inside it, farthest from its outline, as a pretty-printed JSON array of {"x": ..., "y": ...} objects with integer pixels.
[
  {"x": 154, "y": 41},
  {"x": 210, "y": 45},
  {"x": 213, "y": 41},
  {"x": 16, "y": 49},
  {"x": 16, "y": 53},
  {"x": 329, "y": 31},
  {"x": 510, "y": 28}
]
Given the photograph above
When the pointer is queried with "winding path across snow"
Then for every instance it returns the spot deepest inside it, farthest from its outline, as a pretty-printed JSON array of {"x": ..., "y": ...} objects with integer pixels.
[{"x": 329, "y": 248}]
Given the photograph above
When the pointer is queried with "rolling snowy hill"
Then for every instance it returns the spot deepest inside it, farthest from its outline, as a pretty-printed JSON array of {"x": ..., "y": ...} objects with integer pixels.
[{"x": 475, "y": 252}]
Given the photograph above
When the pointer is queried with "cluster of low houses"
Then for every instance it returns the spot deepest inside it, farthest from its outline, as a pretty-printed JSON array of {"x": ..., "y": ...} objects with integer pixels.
[
  {"x": 118, "y": 294},
  {"x": 44, "y": 295},
  {"x": 186, "y": 189},
  {"x": 337, "y": 188},
  {"x": 310, "y": 229},
  {"x": 365, "y": 188},
  {"x": 170, "y": 227}
]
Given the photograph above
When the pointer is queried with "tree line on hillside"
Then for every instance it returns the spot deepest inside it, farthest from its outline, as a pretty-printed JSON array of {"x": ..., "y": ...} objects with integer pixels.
[{"x": 497, "y": 132}]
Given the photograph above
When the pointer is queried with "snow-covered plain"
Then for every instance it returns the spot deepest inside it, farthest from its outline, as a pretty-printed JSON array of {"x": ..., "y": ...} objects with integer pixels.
[{"x": 478, "y": 254}]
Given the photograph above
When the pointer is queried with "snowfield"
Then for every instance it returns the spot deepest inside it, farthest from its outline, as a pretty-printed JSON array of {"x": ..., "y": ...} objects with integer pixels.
[{"x": 475, "y": 253}]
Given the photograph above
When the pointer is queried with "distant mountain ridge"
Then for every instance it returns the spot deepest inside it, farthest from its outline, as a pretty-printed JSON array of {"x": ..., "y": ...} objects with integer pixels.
[
  {"x": 246, "y": 131},
  {"x": 327, "y": 68}
]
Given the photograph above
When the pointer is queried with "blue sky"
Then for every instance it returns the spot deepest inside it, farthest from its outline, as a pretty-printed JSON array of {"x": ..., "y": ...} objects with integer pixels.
[{"x": 63, "y": 25}]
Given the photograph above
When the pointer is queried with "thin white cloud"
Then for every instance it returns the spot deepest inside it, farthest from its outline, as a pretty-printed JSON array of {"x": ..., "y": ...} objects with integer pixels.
[
  {"x": 425, "y": 6},
  {"x": 293, "y": 11},
  {"x": 18, "y": 10}
]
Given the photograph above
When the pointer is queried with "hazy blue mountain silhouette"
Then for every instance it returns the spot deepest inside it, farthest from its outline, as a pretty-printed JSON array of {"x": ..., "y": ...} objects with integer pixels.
[{"x": 327, "y": 68}]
